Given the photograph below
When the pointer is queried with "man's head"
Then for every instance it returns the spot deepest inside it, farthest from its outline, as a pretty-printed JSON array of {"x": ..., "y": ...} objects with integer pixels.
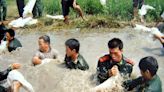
[
  {"x": 44, "y": 43},
  {"x": 148, "y": 67},
  {"x": 115, "y": 49},
  {"x": 72, "y": 47},
  {"x": 10, "y": 33}
]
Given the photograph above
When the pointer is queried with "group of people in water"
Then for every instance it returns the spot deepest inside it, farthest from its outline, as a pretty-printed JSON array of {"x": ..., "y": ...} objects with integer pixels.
[{"x": 149, "y": 81}]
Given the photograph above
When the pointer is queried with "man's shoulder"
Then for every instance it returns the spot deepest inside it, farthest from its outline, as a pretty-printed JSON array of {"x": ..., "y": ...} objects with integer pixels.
[
  {"x": 129, "y": 61},
  {"x": 83, "y": 62},
  {"x": 155, "y": 85},
  {"x": 105, "y": 58},
  {"x": 37, "y": 52},
  {"x": 54, "y": 51},
  {"x": 80, "y": 57},
  {"x": 156, "y": 81},
  {"x": 16, "y": 41}
]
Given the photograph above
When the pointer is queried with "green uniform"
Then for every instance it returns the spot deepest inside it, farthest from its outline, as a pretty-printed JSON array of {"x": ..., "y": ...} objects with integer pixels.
[
  {"x": 81, "y": 63},
  {"x": 154, "y": 85},
  {"x": 3, "y": 10},
  {"x": 38, "y": 9},
  {"x": 14, "y": 43},
  {"x": 142, "y": 85},
  {"x": 105, "y": 63}
]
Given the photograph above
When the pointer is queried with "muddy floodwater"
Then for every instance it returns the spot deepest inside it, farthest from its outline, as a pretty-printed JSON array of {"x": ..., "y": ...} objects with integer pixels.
[{"x": 54, "y": 77}]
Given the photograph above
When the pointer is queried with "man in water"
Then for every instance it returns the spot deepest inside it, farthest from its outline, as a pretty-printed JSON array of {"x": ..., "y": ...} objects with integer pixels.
[
  {"x": 73, "y": 59},
  {"x": 12, "y": 42},
  {"x": 45, "y": 51},
  {"x": 115, "y": 57},
  {"x": 149, "y": 81}
]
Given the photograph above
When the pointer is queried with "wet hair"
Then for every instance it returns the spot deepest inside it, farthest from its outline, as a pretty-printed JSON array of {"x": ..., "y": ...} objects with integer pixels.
[
  {"x": 11, "y": 32},
  {"x": 114, "y": 43},
  {"x": 46, "y": 38},
  {"x": 149, "y": 63},
  {"x": 73, "y": 44}
]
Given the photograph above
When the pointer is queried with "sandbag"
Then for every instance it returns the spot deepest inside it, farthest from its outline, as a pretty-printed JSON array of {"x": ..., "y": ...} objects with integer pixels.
[{"x": 15, "y": 75}]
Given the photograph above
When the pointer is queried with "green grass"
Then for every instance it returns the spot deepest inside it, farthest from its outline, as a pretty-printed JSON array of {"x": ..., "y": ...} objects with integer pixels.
[
  {"x": 119, "y": 9},
  {"x": 52, "y": 6}
]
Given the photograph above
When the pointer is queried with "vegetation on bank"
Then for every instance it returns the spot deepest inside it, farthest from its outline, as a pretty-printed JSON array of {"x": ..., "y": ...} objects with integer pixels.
[
  {"x": 96, "y": 15},
  {"x": 119, "y": 9}
]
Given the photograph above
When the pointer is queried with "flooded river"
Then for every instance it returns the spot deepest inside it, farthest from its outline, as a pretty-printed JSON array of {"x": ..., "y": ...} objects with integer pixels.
[{"x": 56, "y": 78}]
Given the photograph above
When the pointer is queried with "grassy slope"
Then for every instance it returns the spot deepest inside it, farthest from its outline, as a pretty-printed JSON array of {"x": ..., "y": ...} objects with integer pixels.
[{"x": 96, "y": 15}]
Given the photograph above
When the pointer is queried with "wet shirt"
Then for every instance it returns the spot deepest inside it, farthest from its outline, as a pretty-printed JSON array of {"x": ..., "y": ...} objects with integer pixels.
[
  {"x": 51, "y": 54},
  {"x": 15, "y": 43},
  {"x": 105, "y": 63},
  {"x": 153, "y": 85},
  {"x": 141, "y": 85},
  {"x": 81, "y": 63}
]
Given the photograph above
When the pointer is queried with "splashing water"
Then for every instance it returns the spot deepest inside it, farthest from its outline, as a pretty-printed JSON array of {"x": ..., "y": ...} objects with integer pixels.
[{"x": 54, "y": 77}]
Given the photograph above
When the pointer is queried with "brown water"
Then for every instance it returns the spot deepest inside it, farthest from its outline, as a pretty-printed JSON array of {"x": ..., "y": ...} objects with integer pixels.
[{"x": 55, "y": 78}]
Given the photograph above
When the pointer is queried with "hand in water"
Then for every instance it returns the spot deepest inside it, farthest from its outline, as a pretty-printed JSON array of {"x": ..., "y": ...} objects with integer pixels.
[
  {"x": 113, "y": 71},
  {"x": 15, "y": 66}
]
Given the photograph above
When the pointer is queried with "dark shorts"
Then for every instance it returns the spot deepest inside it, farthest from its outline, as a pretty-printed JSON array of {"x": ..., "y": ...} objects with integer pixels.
[
  {"x": 163, "y": 45},
  {"x": 138, "y": 3},
  {"x": 65, "y": 6}
]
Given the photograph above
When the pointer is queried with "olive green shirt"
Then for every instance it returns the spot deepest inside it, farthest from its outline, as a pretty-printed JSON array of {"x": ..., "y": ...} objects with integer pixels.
[
  {"x": 154, "y": 85},
  {"x": 14, "y": 44},
  {"x": 80, "y": 64}
]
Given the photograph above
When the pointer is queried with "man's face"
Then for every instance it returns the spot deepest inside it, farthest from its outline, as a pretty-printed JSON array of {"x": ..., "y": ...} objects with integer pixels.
[
  {"x": 8, "y": 37},
  {"x": 69, "y": 52},
  {"x": 42, "y": 45},
  {"x": 146, "y": 75},
  {"x": 116, "y": 54}
]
